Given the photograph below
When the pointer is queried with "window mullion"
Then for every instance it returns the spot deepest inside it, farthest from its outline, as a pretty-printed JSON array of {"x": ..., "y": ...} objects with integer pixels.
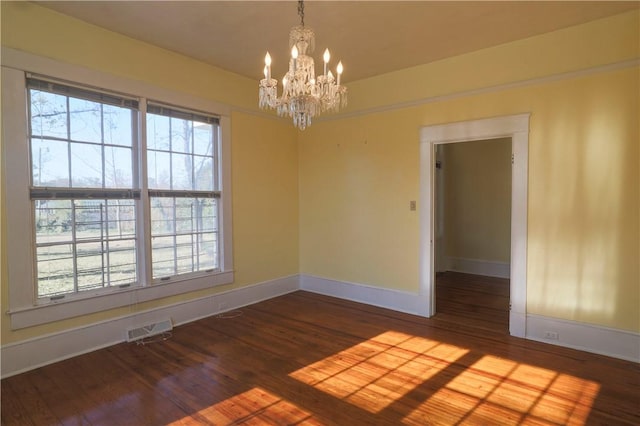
[
  {"x": 68, "y": 118},
  {"x": 175, "y": 239},
  {"x": 143, "y": 212},
  {"x": 215, "y": 150},
  {"x": 105, "y": 250},
  {"x": 74, "y": 246},
  {"x": 193, "y": 158},
  {"x": 193, "y": 254},
  {"x": 199, "y": 211},
  {"x": 105, "y": 238},
  {"x": 171, "y": 154},
  {"x": 102, "y": 147}
]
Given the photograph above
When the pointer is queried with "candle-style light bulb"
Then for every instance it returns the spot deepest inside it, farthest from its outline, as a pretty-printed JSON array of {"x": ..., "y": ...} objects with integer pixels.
[
  {"x": 266, "y": 73},
  {"x": 267, "y": 65},
  {"x": 339, "y": 70},
  {"x": 294, "y": 56},
  {"x": 326, "y": 58}
]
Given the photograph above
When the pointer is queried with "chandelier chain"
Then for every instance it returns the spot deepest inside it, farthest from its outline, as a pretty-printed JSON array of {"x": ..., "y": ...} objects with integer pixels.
[{"x": 301, "y": 11}]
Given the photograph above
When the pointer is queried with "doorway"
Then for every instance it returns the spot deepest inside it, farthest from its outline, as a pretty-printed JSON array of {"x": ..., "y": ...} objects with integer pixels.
[
  {"x": 472, "y": 203},
  {"x": 515, "y": 127}
]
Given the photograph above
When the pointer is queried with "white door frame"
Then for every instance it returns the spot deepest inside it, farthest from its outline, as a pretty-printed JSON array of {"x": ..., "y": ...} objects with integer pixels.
[{"x": 517, "y": 128}]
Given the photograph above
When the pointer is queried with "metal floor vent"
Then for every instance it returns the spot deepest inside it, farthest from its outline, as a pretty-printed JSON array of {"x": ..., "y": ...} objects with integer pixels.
[{"x": 149, "y": 330}]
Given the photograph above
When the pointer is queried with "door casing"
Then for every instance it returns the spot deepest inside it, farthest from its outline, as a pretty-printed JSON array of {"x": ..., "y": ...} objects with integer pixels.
[{"x": 517, "y": 128}]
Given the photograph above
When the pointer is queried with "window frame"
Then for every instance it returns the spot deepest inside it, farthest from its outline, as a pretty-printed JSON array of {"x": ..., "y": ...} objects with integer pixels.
[{"x": 23, "y": 307}]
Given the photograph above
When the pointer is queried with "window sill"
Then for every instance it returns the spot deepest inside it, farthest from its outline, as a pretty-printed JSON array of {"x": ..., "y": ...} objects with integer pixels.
[{"x": 64, "y": 309}]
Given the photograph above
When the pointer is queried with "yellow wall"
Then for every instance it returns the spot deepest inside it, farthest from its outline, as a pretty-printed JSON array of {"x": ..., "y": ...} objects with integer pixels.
[
  {"x": 264, "y": 150},
  {"x": 357, "y": 177},
  {"x": 358, "y": 174},
  {"x": 265, "y": 198},
  {"x": 477, "y": 199}
]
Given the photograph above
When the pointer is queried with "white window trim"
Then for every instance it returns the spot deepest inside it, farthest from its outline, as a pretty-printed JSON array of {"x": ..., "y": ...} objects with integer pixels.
[{"x": 20, "y": 253}]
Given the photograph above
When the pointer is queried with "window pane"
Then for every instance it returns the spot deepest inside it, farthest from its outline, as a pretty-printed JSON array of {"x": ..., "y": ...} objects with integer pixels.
[
  {"x": 48, "y": 114},
  {"x": 208, "y": 251},
  {"x": 185, "y": 215},
  {"x": 159, "y": 170},
  {"x": 203, "y": 173},
  {"x": 184, "y": 253},
  {"x": 118, "y": 167},
  {"x": 86, "y": 165},
  {"x": 117, "y": 125},
  {"x": 50, "y": 163},
  {"x": 55, "y": 269},
  {"x": 162, "y": 216},
  {"x": 158, "y": 132},
  {"x": 181, "y": 135},
  {"x": 122, "y": 262},
  {"x": 121, "y": 219},
  {"x": 202, "y": 138},
  {"x": 209, "y": 215},
  {"x": 164, "y": 253},
  {"x": 53, "y": 221},
  {"x": 184, "y": 235},
  {"x": 181, "y": 171},
  {"x": 121, "y": 232},
  {"x": 89, "y": 218},
  {"x": 90, "y": 264},
  {"x": 85, "y": 120}
]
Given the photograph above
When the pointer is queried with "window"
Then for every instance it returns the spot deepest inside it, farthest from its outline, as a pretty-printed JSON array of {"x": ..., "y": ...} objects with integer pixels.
[
  {"x": 110, "y": 194},
  {"x": 81, "y": 149},
  {"x": 181, "y": 163}
]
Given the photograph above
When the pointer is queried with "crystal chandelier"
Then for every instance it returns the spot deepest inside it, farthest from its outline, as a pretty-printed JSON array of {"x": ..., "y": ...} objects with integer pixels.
[{"x": 303, "y": 94}]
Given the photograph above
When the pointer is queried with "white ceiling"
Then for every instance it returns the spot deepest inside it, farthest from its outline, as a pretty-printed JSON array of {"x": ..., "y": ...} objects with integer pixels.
[{"x": 370, "y": 37}]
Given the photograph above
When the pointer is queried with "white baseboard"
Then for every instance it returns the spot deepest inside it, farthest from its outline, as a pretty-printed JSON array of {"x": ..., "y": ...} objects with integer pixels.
[
  {"x": 517, "y": 324},
  {"x": 411, "y": 303},
  {"x": 487, "y": 268},
  {"x": 33, "y": 353},
  {"x": 585, "y": 337}
]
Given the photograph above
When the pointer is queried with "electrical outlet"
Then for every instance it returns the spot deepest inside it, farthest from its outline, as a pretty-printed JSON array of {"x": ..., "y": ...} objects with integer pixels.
[{"x": 551, "y": 335}]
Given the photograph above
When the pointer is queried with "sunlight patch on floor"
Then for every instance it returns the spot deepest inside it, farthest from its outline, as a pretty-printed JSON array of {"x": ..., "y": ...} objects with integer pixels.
[
  {"x": 500, "y": 391},
  {"x": 253, "y": 407},
  {"x": 375, "y": 373}
]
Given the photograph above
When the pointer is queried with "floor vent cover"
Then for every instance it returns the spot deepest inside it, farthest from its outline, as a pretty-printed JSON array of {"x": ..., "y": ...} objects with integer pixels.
[{"x": 148, "y": 330}]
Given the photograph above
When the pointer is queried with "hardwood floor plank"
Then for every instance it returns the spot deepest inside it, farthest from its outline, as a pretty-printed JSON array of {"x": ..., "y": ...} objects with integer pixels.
[
  {"x": 479, "y": 301},
  {"x": 304, "y": 358},
  {"x": 20, "y": 407}
]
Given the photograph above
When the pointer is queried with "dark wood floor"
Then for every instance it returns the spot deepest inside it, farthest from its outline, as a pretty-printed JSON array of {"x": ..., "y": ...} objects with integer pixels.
[
  {"x": 310, "y": 359},
  {"x": 474, "y": 300}
]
